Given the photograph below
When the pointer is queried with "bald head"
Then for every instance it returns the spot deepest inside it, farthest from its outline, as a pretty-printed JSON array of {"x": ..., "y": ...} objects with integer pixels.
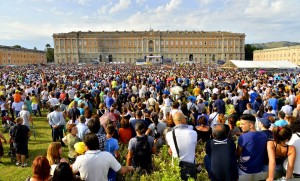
[
  {"x": 179, "y": 118},
  {"x": 219, "y": 132}
]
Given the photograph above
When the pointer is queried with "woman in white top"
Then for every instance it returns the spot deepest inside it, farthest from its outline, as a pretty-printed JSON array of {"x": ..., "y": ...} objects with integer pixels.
[
  {"x": 166, "y": 105},
  {"x": 295, "y": 141},
  {"x": 291, "y": 99}
]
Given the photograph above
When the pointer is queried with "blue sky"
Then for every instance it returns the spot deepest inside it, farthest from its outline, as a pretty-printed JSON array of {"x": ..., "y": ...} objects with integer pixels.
[{"x": 31, "y": 23}]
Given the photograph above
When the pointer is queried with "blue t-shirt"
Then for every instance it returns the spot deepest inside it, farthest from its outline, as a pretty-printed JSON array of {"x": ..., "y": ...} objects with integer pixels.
[
  {"x": 280, "y": 123},
  {"x": 253, "y": 96},
  {"x": 253, "y": 151},
  {"x": 111, "y": 145},
  {"x": 273, "y": 102},
  {"x": 109, "y": 102},
  {"x": 81, "y": 110}
]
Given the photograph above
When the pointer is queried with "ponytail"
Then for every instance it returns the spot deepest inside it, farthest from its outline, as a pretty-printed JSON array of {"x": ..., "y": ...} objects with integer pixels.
[{"x": 281, "y": 134}]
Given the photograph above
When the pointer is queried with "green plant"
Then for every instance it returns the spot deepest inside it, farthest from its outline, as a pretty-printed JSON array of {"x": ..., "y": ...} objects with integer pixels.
[{"x": 166, "y": 168}]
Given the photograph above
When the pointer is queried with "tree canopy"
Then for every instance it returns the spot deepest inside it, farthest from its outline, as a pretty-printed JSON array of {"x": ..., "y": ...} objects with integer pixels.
[
  {"x": 49, "y": 53},
  {"x": 17, "y": 46},
  {"x": 249, "y": 49}
]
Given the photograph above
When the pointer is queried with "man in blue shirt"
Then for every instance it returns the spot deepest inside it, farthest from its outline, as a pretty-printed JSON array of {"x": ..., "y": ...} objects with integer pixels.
[
  {"x": 253, "y": 96},
  {"x": 109, "y": 101},
  {"x": 251, "y": 147},
  {"x": 273, "y": 102},
  {"x": 281, "y": 122}
]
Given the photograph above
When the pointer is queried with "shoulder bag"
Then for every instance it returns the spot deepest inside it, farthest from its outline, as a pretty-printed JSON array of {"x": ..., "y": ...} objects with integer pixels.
[{"x": 188, "y": 169}]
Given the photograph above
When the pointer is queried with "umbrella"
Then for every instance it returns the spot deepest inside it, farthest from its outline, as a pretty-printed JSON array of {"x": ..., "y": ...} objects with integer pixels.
[
  {"x": 176, "y": 90},
  {"x": 107, "y": 116},
  {"x": 261, "y": 71},
  {"x": 170, "y": 78}
]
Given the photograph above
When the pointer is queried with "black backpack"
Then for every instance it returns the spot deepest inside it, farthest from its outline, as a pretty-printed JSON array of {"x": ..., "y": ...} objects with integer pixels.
[{"x": 142, "y": 153}]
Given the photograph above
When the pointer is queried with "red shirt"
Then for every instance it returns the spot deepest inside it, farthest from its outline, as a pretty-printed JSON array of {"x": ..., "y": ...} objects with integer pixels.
[
  {"x": 125, "y": 134},
  {"x": 62, "y": 96}
]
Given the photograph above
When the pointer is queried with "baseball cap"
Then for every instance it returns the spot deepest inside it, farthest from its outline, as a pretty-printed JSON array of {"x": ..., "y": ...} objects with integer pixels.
[
  {"x": 79, "y": 148},
  {"x": 265, "y": 121}
]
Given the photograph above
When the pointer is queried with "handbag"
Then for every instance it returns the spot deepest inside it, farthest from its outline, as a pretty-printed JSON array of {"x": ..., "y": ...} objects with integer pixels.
[{"x": 188, "y": 169}]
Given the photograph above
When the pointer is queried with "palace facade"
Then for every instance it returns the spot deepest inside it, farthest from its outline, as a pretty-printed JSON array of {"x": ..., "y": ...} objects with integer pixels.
[
  {"x": 291, "y": 54},
  {"x": 128, "y": 46},
  {"x": 21, "y": 56}
]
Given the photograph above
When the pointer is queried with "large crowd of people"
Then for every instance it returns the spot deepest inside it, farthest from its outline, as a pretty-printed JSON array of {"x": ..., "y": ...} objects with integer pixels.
[{"x": 248, "y": 121}]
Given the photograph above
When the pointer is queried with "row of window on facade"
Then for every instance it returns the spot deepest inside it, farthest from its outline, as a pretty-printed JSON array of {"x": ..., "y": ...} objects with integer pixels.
[
  {"x": 20, "y": 61},
  {"x": 279, "y": 55},
  {"x": 132, "y": 60},
  {"x": 186, "y": 56},
  {"x": 22, "y": 56},
  {"x": 62, "y": 42},
  {"x": 157, "y": 49}
]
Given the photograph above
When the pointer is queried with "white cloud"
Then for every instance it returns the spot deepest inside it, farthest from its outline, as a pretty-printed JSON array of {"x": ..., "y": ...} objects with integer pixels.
[
  {"x": 123, "y": 4},
  {"x": 140, "y": 1},
  {"x": 83, "y": 2},
  {"x": 103, "y": 9},
  {"x": 169, "y": 7},
  {"x": 205, "y": 2}
]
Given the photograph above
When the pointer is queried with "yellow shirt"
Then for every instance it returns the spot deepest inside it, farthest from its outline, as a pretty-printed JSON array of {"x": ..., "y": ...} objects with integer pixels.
[
  {"x": 34, "y": 100},
  {"x": 196, "y": 91},
  {"x": 114, "y": 84}
]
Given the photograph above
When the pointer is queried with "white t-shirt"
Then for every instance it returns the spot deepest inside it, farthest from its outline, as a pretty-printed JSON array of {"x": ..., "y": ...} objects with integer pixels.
[
  {"x": 295, "y": 141},
  {"x": 53, "y": 101},
  {"x": 29, "y": 90},
  {"x": 214, "y": 117},
  {"x": 2, "y": 106},
  {"x": 174, "y": 111},
  {"x": 215, "y": 91},
  {"x": 25, "y": 115},
  {"x": 17, "y": 106},
  {"x": 291, "y": 99},
  {"x": 45, "y": 95},
  {"x": 287, "y": 109},
  {"x": 94, "y": 165},
  {"x": 167, "y": 102},
  {"x": 71, "y": 94},
  {"x": 186, "y": 141}
]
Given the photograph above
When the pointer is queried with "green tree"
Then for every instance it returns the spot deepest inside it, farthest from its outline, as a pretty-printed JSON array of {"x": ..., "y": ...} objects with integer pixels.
[
  {"x": 249, "y": 49},
  {"x": 34, "y": 48},
  {"x": 17, "y": 46},
  {"x": 49, "y": 53}
]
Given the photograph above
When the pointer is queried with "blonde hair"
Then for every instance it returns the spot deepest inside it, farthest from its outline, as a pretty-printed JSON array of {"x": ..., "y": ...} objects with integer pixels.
[
  {"x": 101, "y": 106},
  {"x": 53, "y": 154}
]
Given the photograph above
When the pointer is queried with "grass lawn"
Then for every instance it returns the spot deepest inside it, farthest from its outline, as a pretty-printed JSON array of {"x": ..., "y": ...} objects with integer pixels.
[
  {"x": 162, "y": 162},
  {"x": 9, "y": 171}
]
